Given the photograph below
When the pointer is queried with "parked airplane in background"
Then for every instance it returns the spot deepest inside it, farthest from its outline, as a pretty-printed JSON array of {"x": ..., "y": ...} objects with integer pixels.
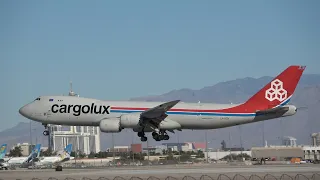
[
  {"x": 22, "y": 160},
  {"x": 157, "y": 117},
  {"x": 64, "y": 156},
  {"x": 3, "y": 150}
]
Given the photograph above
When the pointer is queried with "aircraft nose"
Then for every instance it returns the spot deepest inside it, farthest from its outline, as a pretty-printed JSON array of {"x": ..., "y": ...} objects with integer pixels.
[{"x": 24, "y": 110}]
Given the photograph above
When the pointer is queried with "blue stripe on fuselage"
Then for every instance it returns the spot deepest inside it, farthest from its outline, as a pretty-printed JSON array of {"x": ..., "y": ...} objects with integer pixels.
[
  {"x": 201, "y": 113},
  {"x": 285, "y": 102}
]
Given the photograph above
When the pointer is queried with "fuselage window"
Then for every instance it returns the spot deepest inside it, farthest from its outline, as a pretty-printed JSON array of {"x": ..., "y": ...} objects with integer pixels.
[{"x": 38, "y": 99}]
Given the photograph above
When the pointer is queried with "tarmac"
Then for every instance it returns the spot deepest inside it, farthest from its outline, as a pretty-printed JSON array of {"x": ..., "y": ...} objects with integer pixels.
[{"x": 162, "y": 172}]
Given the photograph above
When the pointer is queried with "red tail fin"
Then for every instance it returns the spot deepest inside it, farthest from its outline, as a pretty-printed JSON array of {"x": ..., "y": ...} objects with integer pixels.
[{"x": 278, "y": 91}]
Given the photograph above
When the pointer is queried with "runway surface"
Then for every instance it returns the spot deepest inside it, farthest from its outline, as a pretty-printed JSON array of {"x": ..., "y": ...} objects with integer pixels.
[{"x": 162, "y": 172}]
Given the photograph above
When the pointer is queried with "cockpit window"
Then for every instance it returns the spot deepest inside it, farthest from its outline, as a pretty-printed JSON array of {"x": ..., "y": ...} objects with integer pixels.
[{"x": 38, "y": 99}]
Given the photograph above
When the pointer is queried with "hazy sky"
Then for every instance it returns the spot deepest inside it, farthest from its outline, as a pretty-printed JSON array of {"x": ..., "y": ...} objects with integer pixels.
[{"x": 123, "y": 49}]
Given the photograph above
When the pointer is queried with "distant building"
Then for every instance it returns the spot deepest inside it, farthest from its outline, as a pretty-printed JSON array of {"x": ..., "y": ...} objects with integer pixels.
[
  {"x": 315, "y": 139},
  {"x": 149, "y": 149},
  {"x": 85, "y": 139},
  {"x": 289, "y": 141},
  {"x": 311, "y": 152},
  {"x": 174, "y": 146},
  {"x": 277, "y": 152},
  {"x": 119, "y": 149},
  {"x": 136, "y": 148},
  {"x": 160, "y": 148},
  {"x": 217, "y": 155},
  {"x": 26, "y": 148},
  {"x": 224, "y": 147},
  {"x": 185, "y": 146},
  {"x": 199, "y": 146}
]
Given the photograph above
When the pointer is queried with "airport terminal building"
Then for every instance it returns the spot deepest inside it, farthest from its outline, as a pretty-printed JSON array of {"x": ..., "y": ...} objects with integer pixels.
[{"x": 85, "y": 139}]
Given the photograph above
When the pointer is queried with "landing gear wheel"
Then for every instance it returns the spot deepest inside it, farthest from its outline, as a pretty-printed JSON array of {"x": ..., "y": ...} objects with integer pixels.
[
  {"x": 45, "y": 132},
  {"x": 59, "y": 168},
  {"x": 140, "y": 134},
  {"x": 157, "y": 137},
  {"x": 166, "y": 137},
  {"x": 143, "y": 139},
  {"x": 162, "y": 135}
]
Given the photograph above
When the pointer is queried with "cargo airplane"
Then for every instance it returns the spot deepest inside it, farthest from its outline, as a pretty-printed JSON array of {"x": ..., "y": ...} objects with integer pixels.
[{"x": 161, "y": 117}]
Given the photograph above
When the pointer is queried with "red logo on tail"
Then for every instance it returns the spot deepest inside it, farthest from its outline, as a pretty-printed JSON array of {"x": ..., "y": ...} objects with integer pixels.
[{"x": 276, "y": 91}]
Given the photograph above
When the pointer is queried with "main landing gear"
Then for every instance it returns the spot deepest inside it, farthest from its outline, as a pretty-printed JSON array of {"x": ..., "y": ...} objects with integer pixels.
[
  {"x": 162, "y": 135},
  {"x": 142, "y": 136},
  {"x": 59, "y": 168},
  {"x": 46, "y": 131}
]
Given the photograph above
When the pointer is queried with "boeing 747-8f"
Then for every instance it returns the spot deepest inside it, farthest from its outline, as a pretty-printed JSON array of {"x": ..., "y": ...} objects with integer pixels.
[{"x": 158, "y": 117}]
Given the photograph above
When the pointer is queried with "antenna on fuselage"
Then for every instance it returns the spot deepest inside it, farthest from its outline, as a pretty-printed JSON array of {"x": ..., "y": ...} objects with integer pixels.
[{"x": 71, "y": 93}]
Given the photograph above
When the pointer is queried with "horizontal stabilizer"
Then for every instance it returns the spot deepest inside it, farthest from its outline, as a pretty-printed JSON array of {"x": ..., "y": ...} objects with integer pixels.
[{"x": 279, "y": 109}]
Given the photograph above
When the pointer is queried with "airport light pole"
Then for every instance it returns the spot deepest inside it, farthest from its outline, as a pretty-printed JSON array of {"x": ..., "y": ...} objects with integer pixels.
[
  {"x": 281, "y": 130},
  {"x": 230, "y": 146},
  {"x": 148, "y": 152},
  {"x": 113, "y": 150},
  {"x": 131, "y": 149},
  {"x": 240, "y": 132},
  {"x": 178, "y": 148},
  {"x": 206, "y": 146},
  {"x": 30, "y": 134},
  {"x": 263, "y": 134}
]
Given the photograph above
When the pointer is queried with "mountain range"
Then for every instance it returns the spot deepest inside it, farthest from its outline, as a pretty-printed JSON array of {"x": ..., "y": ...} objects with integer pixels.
[{"x": 300, "y": 126}]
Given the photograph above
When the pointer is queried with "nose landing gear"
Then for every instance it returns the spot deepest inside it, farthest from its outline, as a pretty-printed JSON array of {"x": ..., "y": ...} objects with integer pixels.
[{"x": 46, "y": 131}]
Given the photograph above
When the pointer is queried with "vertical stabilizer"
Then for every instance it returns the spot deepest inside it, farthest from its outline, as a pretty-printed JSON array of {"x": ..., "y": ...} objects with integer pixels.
[
  {"x": 279, "y": 91},
  {"x": 3, "y": 150}
]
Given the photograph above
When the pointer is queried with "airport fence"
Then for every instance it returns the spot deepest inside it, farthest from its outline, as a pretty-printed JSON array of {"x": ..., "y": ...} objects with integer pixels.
[{"x": 315, "y": 176}]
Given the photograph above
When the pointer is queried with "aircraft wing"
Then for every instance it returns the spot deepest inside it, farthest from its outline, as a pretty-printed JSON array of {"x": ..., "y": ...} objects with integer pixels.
[{"x": 158, "y": 113}]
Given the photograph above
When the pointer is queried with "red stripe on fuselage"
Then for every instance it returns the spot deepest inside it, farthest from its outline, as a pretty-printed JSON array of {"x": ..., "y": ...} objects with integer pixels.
[{"x": 236, "y": 109}]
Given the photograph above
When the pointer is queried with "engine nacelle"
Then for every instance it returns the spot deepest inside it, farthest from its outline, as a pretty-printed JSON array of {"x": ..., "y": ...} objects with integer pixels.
[
  {"x": 168, "y": 124},
  {"x": 132, "y": 121},
  {"x": 292, "y": 110},
  {"x": 110, "y": 125},
  {"x": 129, "y": 120}
]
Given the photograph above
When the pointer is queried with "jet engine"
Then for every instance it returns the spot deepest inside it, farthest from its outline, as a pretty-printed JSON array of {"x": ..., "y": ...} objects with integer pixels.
[
  {"x": 110, "y": 125},
  {"x": 132, "y": 121}
]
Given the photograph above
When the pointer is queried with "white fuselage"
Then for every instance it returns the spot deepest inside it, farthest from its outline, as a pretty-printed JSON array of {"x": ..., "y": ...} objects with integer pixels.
[
  {"x": 16, "y": 160},
  {"x": 64, "y": 110},
  {"x": 51, "y": 160}
]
